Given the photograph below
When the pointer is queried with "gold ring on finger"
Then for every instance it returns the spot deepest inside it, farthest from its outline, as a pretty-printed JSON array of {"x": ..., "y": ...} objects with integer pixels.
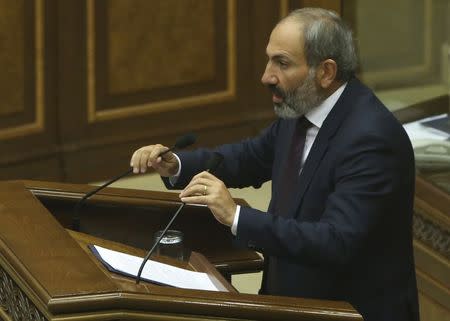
[{"x": 204, "y": 189}]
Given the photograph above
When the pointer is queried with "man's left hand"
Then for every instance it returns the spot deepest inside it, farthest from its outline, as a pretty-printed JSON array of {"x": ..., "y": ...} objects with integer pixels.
[{"x": 207, "y": 189}]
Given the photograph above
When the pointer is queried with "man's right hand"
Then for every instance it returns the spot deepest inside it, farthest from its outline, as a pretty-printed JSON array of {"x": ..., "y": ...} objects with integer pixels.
[{"x": 149, "y": 156}]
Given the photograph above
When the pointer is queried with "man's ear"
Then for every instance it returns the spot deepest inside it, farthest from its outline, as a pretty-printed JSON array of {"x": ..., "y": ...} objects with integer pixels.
[{"x": 326, "y": 73}]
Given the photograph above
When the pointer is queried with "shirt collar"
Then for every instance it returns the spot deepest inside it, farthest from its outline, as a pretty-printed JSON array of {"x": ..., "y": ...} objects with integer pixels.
[{"x": 317, "y": 115}]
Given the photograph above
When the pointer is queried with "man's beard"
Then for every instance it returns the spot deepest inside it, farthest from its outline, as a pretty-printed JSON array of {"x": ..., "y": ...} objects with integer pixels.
[{"x": 299, "y": 101}]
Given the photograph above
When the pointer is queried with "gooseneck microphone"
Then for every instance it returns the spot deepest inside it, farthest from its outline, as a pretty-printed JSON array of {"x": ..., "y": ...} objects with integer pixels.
[
  {"x": 211, "y": 166},
  {"x": 182, "y": 142}
]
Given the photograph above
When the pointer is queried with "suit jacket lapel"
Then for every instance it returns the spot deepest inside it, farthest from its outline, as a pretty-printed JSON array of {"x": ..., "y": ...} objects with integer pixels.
[{"x": 320, "y": 146}]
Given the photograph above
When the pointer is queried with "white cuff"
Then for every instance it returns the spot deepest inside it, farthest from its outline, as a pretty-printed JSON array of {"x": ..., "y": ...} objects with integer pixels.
[
  {"x": 173, "y": 179},
  {"x": 236, "y": 220}
]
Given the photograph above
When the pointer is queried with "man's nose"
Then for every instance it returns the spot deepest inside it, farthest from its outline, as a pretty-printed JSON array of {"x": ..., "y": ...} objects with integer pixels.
[{"x": 268, "y": 78}]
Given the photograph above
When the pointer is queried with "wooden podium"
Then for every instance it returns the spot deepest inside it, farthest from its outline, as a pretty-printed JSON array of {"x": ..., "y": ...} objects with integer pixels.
[{"x": 48, "y": 273}]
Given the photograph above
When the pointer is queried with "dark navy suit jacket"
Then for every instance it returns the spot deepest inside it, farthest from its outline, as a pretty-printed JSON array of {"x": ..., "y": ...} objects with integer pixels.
[{"x": 348, "y": 233}]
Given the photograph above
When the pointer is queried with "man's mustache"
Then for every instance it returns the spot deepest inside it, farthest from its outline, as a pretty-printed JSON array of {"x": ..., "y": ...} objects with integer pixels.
[{"x": 277, "y": 91}]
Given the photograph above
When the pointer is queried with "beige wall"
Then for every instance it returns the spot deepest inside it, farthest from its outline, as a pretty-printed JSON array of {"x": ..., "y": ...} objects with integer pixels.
[{"x": 401, "y": 41}]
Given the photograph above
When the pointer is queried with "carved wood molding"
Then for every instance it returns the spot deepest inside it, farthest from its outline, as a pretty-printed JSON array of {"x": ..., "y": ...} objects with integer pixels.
[
  {"x": 14, "y": 302},
  {"x": 435, "y": 236},
  {"x": 431, "y": 224}
]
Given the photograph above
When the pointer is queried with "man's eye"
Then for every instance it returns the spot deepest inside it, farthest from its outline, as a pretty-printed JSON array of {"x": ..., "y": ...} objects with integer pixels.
[{"x": 282, "y": 64}]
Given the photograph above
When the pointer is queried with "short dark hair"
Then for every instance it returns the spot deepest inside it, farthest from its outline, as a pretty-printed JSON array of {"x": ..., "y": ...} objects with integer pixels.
[{"x": 326, "y": 36}]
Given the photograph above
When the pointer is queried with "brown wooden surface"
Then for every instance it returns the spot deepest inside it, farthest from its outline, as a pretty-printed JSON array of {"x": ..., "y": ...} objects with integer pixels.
[{"x": 58, "y": 277}]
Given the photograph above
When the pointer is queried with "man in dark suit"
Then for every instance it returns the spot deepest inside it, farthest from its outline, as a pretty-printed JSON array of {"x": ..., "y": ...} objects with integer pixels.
[{"x": 339, "y": 224}]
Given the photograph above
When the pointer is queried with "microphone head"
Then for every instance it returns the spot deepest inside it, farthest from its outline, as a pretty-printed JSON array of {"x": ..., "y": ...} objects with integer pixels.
[
  {"x": 185, "y": 141},
  {"x": 214, "y": 162}
]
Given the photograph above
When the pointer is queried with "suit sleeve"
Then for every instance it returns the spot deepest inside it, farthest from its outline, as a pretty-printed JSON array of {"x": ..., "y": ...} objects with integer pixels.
[{"x": 247, "y": 163}]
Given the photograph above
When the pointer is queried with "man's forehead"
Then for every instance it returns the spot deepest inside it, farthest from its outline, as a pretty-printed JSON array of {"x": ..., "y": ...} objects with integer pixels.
[{"x": 286, "y": 38}]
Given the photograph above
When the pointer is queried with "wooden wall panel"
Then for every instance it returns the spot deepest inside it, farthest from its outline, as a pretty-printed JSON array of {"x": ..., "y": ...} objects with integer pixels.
[
  {"x": 27, "y": 122},
  {"x": 165, "y": 59},
  {"x": 182, "y": 53}
]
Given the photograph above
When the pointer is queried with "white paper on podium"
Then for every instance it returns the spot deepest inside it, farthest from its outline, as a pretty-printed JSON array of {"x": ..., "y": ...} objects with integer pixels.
[{"x": 156, "y": 271}]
